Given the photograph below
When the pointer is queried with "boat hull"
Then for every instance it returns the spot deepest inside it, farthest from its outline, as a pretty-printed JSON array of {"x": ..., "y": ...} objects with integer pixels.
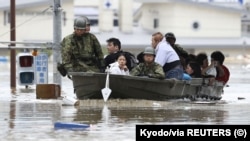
[{"x": 89, "y": 86}]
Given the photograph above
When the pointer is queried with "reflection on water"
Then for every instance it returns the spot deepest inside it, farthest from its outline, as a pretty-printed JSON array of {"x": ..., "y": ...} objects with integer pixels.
[
  {"x": 22, "y": 116},
  {"x": 149, "y": 115}
]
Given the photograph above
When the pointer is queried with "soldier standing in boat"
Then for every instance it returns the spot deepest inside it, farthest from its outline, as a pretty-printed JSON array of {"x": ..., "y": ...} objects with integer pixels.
[{"x": 81, "y": 50}]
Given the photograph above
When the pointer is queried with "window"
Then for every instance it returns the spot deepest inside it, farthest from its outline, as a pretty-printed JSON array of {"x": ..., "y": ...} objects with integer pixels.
[
  {"x": 196, "y": 25},
  {"x": 156, "y": 23},
  {"x": 64, "y": 18},
  {"x": 6, "y": 17},
  {"x": 248, "y": 28}
]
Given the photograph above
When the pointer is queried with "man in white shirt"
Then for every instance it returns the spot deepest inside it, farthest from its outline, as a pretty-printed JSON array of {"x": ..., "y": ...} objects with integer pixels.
[{"x": 167, "y": 57}]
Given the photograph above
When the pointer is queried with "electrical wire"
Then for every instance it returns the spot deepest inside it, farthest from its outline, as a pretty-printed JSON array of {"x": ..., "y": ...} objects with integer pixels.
[{"x": 25, "y": 21}]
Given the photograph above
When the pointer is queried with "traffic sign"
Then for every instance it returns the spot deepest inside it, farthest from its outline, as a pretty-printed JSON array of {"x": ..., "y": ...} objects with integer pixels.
[{"x": 41, "y": 68}]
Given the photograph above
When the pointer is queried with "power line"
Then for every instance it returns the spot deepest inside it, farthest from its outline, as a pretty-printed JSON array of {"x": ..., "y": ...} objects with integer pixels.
[{"x": 26, "y": 21}]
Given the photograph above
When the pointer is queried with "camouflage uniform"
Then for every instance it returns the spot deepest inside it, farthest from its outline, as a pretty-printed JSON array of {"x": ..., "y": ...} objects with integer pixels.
[
  {"x": 154, "y": 70},
  {"x": 82, "y": 54}
]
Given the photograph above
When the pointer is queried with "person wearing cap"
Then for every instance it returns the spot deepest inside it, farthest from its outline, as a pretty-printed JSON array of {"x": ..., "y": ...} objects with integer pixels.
[
  {"x": 148, "y": 67},
  {"x": 167, "y": 57},
  {"x": 171, "y": 39},
  {"x": 81, "y": 50},
  {"x": 87, "y": 24}
]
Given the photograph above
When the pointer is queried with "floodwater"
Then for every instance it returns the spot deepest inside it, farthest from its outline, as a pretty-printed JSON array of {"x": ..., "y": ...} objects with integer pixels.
[{"x": 23, "y": 117}]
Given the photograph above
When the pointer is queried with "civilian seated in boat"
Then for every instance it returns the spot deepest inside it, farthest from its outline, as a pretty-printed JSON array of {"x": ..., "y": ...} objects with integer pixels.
[
  {"x": 210, "y": 70},
  {"x": 192, "y": 70},
  {"x": 202, "y": 60},
  {"x": 167, "y": 57},
  {"x": 149, "y": 67},
  {"x": 114, "y": 49},
  {"x": 207, "y": 71},
  {"x": 223, "y": 73},
  {"x": 119, "y": 67},
  {"x": 191, "y": 57},
  {"x": 218, "y": 71}
]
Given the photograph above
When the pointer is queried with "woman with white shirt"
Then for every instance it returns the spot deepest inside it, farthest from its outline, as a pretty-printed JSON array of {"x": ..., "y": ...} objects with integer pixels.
[{"x": 119, "y": 67}]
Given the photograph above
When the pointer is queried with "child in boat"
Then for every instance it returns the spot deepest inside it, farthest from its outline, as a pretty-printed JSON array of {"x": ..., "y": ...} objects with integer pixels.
[
  {"x": 148, "y": 67},
  {"x": 119, "y": 67}
]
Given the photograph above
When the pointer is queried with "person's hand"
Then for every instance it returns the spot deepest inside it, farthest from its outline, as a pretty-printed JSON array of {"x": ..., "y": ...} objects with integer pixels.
[
  {"x": 150, "y": 75},
  {"x": 125, "y": 68}
]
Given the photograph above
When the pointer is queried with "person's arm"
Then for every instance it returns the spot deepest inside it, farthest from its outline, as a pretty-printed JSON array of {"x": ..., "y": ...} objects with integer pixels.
[
  {"x": 158, "y": 72},
  {"x": 205, "y": 70},
  {"x": 98, "y": 52},
  {"x": 125, "y": 69},
  {"x": 220, "y": 69},
  {"x": 66, "y": 46},
  {"x": 136, "y": 71}
]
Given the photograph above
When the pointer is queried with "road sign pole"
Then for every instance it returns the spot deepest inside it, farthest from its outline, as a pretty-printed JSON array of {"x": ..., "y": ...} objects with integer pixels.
[{"x": 57, "y": 29}]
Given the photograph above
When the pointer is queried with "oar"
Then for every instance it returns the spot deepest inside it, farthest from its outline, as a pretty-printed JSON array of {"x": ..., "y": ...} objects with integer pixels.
[{"x": 106, "y": 91}]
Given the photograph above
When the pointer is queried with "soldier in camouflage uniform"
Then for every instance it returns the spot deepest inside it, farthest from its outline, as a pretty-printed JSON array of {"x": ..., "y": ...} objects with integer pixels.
[
  {"x": 149, "y": 67},
  {"x": 81, "y": 50},
  {"x": 170, "y": 38}
]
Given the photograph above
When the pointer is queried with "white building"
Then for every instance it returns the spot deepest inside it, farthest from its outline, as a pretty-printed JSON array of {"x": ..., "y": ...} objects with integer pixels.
[
  {"x": 34, "y": 19},
  {"x": 198, "y": 25}
]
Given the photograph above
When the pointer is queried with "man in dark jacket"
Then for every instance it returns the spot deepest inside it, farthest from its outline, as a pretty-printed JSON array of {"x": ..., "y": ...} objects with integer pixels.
[
  {"x": 114, "y": 49},
  {"x": 171, "y": 39}
]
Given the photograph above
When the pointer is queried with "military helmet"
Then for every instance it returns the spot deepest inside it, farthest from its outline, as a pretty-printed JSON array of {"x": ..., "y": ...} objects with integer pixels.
[
  {"x": 80, "y": 23},
  {"x": 87, "y": 20},
  {"x": 149, "y": 50},
  {"x": 170, "y": 35}
]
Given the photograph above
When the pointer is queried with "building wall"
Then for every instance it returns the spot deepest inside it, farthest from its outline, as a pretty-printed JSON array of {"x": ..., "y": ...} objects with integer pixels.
[
  {"x": 5, "y": 28},
  {"x": 32, "y": 25},
  {"x": 126, "y": 16},
  {"x": 86, "y": 2},
  {"x": 179, "y": 18}
]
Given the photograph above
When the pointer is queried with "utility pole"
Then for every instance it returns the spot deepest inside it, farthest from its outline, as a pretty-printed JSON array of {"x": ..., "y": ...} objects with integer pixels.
[
  {"x": 57, "y": 33},
  {"x": 13, "y": 38}
]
